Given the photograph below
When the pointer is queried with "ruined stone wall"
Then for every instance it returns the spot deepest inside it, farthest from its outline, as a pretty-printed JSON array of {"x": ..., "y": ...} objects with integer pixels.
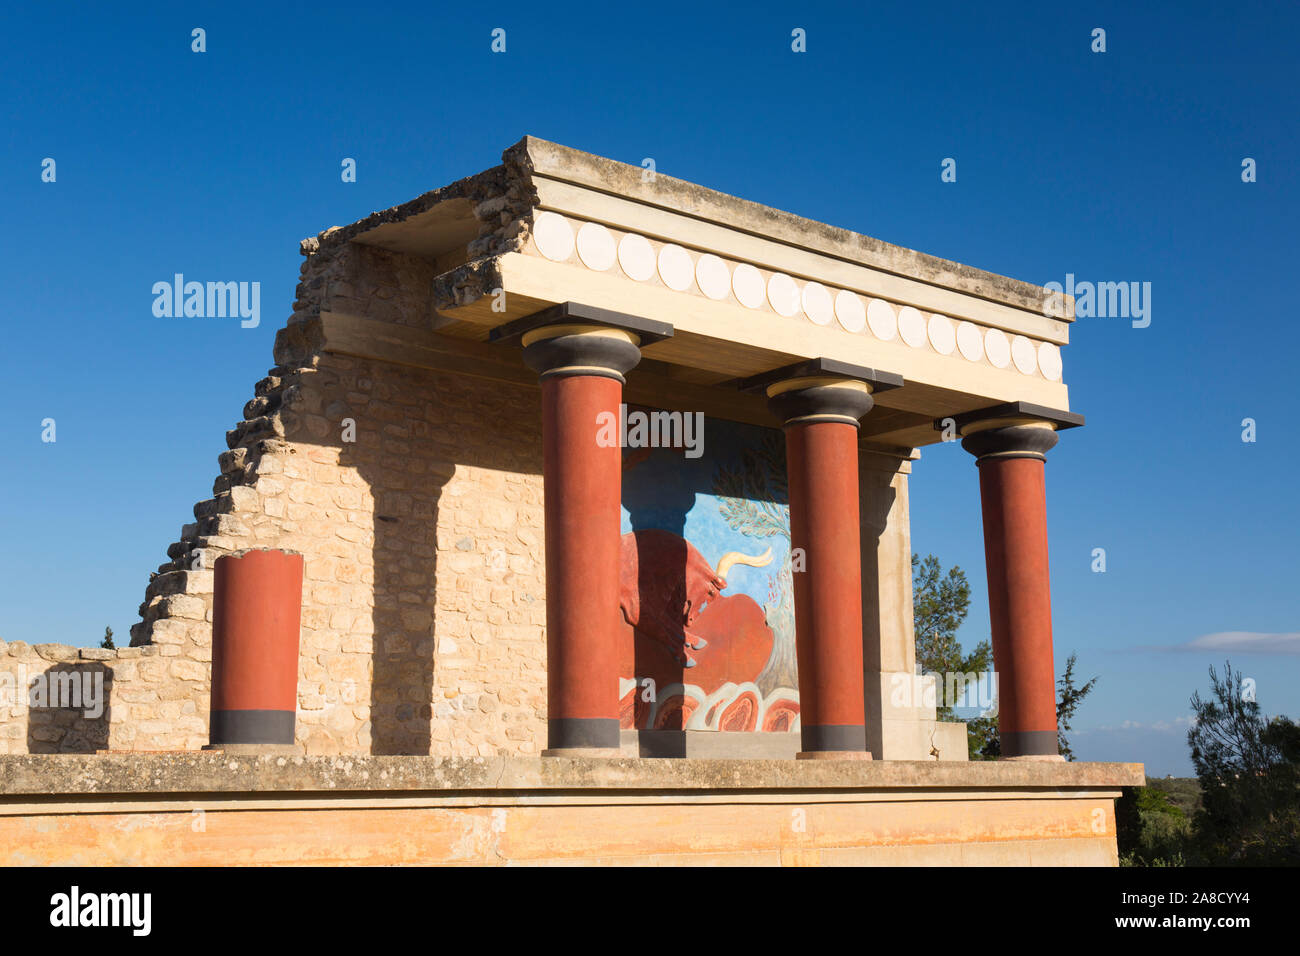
[
  {"x": 416, "y": 500},
  {"x": 60, "y": 699}
]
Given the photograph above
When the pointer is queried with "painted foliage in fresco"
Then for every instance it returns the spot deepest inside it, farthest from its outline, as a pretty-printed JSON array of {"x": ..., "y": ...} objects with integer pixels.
[{"x": 705, "y": 589}]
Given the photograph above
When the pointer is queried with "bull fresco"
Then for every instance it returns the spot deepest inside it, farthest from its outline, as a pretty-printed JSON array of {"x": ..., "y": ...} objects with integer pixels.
[{"x": 705, "y": 591}]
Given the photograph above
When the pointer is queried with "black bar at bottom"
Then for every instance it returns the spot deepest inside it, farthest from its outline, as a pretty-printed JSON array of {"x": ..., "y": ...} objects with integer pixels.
[
  {"x": 833, "y": 737},
  {"x": 252, "y": 727},
  {"x": 1029, "y": 743},
  {"x": 569, "y": 732}
]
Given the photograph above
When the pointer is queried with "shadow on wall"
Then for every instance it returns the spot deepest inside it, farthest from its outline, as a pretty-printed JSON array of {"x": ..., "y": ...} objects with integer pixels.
[
  {"x": 413, "y": 431},
  {"x": 708, "y": 542},
  {"x": 662, "y": 585},
  {"x": 405, "y": 610},
  {"x": 876, "y": 500},
  {"x": 68, "y": 709}
]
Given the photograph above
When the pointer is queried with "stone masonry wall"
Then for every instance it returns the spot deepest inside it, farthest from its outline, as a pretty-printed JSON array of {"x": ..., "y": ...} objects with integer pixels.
[
  {"x": 416, "y": 500},
  {"x": 423, "y": 597},
  {"x": 132, "y": 698}
]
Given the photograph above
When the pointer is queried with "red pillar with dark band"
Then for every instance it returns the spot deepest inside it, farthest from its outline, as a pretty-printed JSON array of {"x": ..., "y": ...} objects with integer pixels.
[
  {"x": 256, "y": 613},
  {"x": 1014, "y": 504},
  {"x": 582, "y": 388},
  {"x": 821, "y": 429}
]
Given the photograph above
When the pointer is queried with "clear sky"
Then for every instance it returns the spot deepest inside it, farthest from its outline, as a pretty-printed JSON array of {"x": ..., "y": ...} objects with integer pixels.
[{"x": 1117, "y": 166}]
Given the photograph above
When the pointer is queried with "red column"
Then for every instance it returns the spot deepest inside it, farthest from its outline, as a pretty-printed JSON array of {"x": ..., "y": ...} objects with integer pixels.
[
  {"x": 1014, "y": 503},
  {"x": 821, "y": 428},
  {"x": 583, "y": 494},
  {"x": 256, "y": 610},
  {"x": 582, "y": 388}
]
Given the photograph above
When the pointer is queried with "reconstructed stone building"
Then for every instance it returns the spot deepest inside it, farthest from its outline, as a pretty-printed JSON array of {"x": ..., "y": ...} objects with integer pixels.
[{"x": 582, "y": 461}]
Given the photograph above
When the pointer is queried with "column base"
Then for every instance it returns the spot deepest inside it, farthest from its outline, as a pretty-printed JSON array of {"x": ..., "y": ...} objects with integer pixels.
[
  {"x": 1045, "y": 758},
  {"x": 605, "y": 752},
  {"x": 253, "y": 750},
  {"x": 833, "y": 755}
]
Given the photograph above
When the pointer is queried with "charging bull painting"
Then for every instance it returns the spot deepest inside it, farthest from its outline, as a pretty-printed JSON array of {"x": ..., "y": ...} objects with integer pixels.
[{"x": 704, "y": 595}]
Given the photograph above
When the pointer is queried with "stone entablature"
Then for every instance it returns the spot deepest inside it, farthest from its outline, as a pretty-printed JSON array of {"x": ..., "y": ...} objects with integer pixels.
[
  {"x": 746, "y": 287},
  {"x": 703, "y": 274}
]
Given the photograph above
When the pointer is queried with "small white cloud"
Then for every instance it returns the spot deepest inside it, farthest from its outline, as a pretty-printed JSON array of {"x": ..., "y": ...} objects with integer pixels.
[
  {"x": 1246, "y": 642},
  {"x": 1177, "y": 723}
]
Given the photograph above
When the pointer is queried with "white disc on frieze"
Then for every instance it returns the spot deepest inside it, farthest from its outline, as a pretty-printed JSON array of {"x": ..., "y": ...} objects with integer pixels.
[
  {"x": 712, "y": 276},
  {"x": 849, "y": 311},
  {"x": 596, "y": 247},
  {"x": 969, "y": 341},
  {"x": 817, "y": 303},
  {"x": 882, "y": 320},
  {"x": 998, "y": 348},
  {"x": 942, "y": 335},
  {"x": 747, "y": 283},
  {"x": 783, "y": 294},
  {"x": 1049, "y": 360},
  {"x": 553, "y": 235},
  {"x": 676, "y": 268},
  {"x": 636, "y": 256},
  {"x": 1022, "y": 353},
  {"x": 911, "y": 326}
]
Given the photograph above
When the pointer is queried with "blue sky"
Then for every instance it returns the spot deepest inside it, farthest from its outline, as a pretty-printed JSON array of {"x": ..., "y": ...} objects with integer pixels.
[{"x": 1120, "y": 166}]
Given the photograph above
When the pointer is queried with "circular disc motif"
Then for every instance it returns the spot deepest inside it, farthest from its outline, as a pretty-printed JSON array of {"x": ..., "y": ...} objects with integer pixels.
[
  {"x": 553, "y": 235},
  {"x": 596, "y": 246},
  {"x": 636, "y": 256},
  {"x": 911, "y": 326},
  {"x": 942, "y": 335},
  {"x": 676, "y": 268},
  {"x": 712, "y": 276},
  {"x": 1049, "y": 360},
  {"x": 783, "y": 294},
  {"x": 1022, "y": 353},
  {"x": 969, "y": 341},
  {"x": 881, "y": 318},
  {"x": 849, "y": 311},
  {"x": 998, "y": 348},
  {"x": 747, "y": 283},
  {"x": 817, "y": 303}
]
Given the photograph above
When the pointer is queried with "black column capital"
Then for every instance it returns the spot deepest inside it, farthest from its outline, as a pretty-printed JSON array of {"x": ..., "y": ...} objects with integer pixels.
[
  {"x": 1010, "y": 430},
  {"x": 814, "y": 399},
  {"x": 557, "y": 351},
  {"x": 576, "y": 339},
  {"x": 1025, "y": 439},
  {"x": 821, "y": 390}
]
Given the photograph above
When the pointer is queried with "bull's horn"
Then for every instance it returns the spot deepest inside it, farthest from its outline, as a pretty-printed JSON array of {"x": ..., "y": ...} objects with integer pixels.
[{"x": 732, "y": 558}]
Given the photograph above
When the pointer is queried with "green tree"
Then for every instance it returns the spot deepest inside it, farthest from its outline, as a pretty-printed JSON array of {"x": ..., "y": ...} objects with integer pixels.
[
  {"x": 1150, "y": 829},
  {"x": 1068, "y": 699},
  {"x": 107, "y": 642},
  {"x": 982, "y": 738},
  {"x": 1249, "y": 770},
  {"x": 940, "y": 603}
]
